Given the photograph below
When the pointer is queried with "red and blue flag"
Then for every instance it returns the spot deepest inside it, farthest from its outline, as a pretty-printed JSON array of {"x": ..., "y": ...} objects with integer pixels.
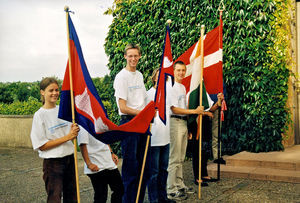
[
  {"x": 89, "y": 109},
  {"x": 166, "y": 69}
]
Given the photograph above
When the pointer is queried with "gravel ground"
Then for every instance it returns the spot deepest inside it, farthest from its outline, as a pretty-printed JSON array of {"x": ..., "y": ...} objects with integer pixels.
[{"x": 21, "y": 181}]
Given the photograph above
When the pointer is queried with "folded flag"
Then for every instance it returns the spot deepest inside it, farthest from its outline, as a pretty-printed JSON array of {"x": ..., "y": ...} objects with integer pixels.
[
  {"x": 89, "y": 109},
  {"x": 166, "y": 69}
]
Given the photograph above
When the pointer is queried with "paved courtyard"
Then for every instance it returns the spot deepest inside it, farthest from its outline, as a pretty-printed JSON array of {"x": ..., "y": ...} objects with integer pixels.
[{"x": 21, "y": 181}]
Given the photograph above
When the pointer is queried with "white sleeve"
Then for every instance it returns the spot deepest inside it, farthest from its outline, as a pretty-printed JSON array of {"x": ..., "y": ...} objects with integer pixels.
[
  {"x": 173, "y": 101},
  {"x": 168, "y": 92},
  {"x": 144, "y": 88},
  {"x": 83, "y": 136},
  {"x": 120, "y": 86},
  {"x": 38, "y": 133},
  {"x": 150, "y": 95}
]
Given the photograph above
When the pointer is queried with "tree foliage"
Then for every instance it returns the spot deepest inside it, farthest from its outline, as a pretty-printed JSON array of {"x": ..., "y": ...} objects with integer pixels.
[
  {"x": 255, "y": 63},
  {"x": 18, "y": 91},
  {"x": 104, "y": 87}
]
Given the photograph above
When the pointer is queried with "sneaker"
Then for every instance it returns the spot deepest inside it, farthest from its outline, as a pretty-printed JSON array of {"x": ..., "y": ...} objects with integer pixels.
[
  {"x": 177, "y": 196},
  {"x": 188, "y": 190}
]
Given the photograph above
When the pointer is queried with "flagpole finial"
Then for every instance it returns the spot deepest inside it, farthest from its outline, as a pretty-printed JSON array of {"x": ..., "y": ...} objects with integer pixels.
[
  {"x": 66, "y": 8},
  {"x": 169, "y": 21}
]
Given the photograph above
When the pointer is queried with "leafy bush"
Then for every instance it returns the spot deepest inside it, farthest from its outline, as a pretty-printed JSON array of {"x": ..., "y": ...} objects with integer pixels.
[
  {"x": 255, "y": 58},
  {"x": 21, "y": 108}
]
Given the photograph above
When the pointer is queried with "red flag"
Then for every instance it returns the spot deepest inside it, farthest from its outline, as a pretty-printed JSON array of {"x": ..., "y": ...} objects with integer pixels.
[
  {"x": 166, "y": 69},
  {"x": 213, "y": 62},
  {"x": 213, "y": 71},
  {"x": 89, "y": 109}
]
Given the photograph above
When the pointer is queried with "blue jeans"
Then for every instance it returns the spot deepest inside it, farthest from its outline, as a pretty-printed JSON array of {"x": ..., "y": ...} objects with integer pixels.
[
  {"x": 133, "y": 149},
  {"x": 157, "y": 187}
]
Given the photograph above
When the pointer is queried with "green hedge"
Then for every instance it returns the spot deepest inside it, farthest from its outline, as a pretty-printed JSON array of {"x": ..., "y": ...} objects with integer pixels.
[
  {"x": 31, "y": 103},
  {"x": 255, "y": 58},
  {"x": 21, "y": 107}
]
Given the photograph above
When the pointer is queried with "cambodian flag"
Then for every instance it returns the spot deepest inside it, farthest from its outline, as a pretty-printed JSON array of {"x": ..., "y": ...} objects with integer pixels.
[
  {"x": 89, "y": 110},
  {"x": 166, "y": 69}
]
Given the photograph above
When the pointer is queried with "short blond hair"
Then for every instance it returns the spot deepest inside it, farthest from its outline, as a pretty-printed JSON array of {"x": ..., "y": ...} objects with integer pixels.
[{"x": 132, "y": 46}]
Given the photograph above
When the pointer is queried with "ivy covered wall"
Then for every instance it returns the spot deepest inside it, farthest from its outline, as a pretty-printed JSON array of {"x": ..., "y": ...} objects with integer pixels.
[{"x": 255, "y": 57}]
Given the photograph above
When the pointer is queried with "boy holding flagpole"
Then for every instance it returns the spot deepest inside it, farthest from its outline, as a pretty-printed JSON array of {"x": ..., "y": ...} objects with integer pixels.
[
  {"x": 178, "y": 135},
  {"x": 130, "y": 93}
]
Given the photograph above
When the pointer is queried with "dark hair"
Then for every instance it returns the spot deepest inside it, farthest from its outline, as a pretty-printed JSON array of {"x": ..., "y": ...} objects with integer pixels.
[
  {"x": 132, "y": 46},
  {"x": 179, "y": 62},
  {"x": 45, "y": 82}
]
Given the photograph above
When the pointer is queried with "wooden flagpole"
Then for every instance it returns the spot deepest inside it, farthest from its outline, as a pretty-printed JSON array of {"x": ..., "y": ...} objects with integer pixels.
[
  {"x": 143, "y": 167},
  {"x": 72, "y": 104},
  {"x": 200, "y": 104}
]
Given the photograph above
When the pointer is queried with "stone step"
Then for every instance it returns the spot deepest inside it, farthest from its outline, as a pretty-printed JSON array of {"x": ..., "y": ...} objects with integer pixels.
[
  {"x": 283, "y": 165},
  {"x": 256, "y": 173},
  {"x": 289, "y": 159}
]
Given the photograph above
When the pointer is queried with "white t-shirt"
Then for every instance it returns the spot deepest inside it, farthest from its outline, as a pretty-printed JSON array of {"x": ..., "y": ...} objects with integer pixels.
[
  {"x": 98, "y": 152},
  {"x": 130, "y": 87},
  {"x": 47, "y": 126},
  {"x": 178, "y": 97},
  {"x": 160, "y": 132}
]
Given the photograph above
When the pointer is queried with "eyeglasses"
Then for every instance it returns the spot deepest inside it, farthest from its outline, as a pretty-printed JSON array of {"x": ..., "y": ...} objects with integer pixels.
[{"x": 133, "y": 56}]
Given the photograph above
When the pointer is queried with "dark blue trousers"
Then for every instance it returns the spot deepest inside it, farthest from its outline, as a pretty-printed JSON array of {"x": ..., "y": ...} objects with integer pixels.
[
  {"x": 133, "y": 149},
  {"x": 157, "y": 186}
]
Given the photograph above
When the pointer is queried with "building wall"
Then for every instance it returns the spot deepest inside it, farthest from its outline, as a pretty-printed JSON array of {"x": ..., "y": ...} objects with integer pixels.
[
  {"x": 15, "y": 131},
  {"x": 289, "y": 137},
  {"x": 297, "y": 79}
]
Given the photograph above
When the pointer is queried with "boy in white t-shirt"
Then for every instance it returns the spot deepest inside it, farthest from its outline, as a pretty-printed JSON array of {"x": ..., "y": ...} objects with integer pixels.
[
  {"x": 178, "y": 135},
  {"x": 130, "y": 93},
  {"x": 101, "y": 167}
]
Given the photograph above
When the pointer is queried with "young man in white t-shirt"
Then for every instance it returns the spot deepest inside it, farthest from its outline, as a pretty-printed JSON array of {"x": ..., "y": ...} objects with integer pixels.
[
  {"x": 130, "y": 93},
  {"x": 100, "y": 165},
  {"x": 178, "y": 135}
]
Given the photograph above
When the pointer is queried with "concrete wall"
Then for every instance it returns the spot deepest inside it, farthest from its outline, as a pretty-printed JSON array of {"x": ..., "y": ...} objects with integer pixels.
[
  {"x": 289, "y": 135},
  {"x": 297, "y": 73},
  {"x": 15, "y": 131}
]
